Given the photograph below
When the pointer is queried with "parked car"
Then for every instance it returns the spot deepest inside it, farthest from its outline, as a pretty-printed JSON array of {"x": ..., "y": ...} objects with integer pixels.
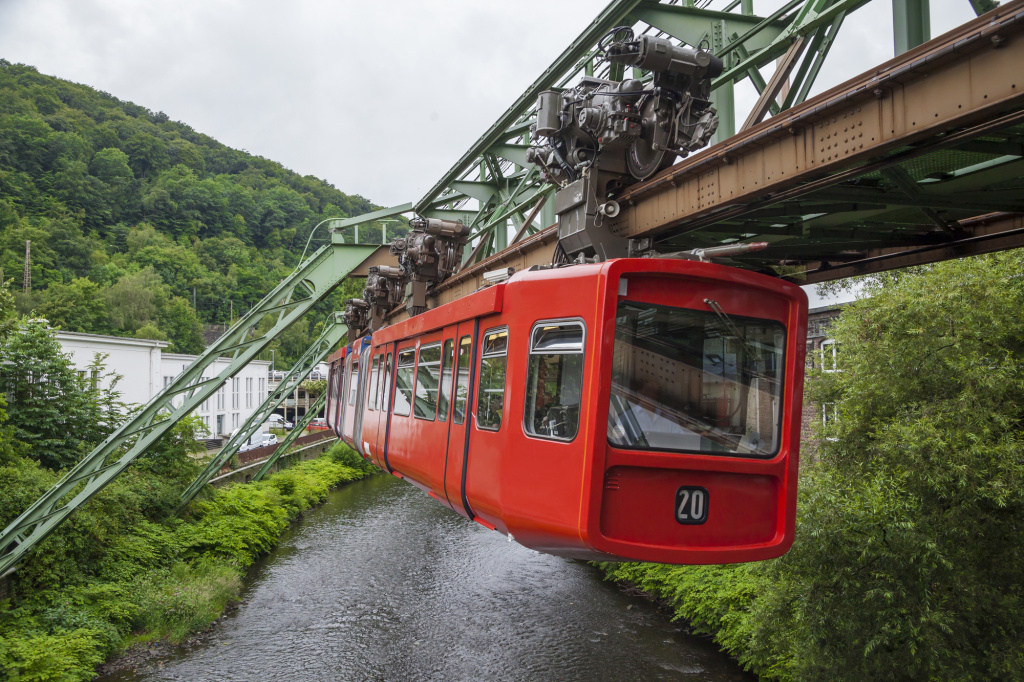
[{"x": 318, "y": 424}]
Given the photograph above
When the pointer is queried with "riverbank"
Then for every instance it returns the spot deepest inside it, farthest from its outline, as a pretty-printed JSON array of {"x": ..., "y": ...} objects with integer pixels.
[{"x": 160, "y": 581}]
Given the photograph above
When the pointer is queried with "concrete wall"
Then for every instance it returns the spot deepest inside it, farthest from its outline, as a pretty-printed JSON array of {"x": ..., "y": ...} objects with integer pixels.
[
  {"x": 244, "y": 474},
  {"x": 136, "y": 360}
]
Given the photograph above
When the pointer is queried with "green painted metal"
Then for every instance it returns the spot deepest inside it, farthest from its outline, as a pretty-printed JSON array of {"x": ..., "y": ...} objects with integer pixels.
[
  {"x": 982, "y": 6},
  {"x": 300, "y": 426},
  {"x": 911, "y": 24},
  {"x": 332, "y": 334},
  {"x": 371, "y": 216},
  {"x": 310, "y": 282}
]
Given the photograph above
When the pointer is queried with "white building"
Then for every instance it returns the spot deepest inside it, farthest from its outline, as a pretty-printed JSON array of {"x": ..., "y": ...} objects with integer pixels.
[
  {"x": 145, "y": 370},
  {"x": 234, "y": 401}
]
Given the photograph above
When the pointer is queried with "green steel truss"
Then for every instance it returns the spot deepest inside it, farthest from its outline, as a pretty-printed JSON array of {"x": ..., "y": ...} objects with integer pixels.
[
  {"x": 300, "y": 426},
  {"x": 311, "y": 281},
  {"x": 491, "y": 187},
  {"x": 330, "y": 338}
]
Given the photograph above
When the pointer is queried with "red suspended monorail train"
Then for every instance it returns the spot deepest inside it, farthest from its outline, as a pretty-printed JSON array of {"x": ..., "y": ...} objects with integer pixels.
[{"x": 635, "y": 409}]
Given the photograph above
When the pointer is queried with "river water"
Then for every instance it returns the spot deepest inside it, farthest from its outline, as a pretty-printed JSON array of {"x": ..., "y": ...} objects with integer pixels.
[{"x": 382, "y": 583}]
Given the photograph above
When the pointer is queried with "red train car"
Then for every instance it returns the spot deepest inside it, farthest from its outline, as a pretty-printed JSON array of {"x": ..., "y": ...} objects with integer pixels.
[{"x": 641, "y": 409}]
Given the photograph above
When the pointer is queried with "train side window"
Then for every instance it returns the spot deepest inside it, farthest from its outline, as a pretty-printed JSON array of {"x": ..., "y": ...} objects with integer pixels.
[
  {"x": 353, "y": 386},
  {"x": 447, "y": 363},
  {"x": 554, "y": 380},
  {"x": 404, "y": 382},
  {"x": 371, "y": 402},
  {"x": 385, "y": 389},
  {"x": 493, "y": 358},
  {"x": 462, "y": 384},
  {"x": 428, "y": 375}
]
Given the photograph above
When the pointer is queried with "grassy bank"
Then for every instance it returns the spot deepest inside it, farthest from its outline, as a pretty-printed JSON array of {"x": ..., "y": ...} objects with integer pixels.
[{"x": 91, "y": 591}]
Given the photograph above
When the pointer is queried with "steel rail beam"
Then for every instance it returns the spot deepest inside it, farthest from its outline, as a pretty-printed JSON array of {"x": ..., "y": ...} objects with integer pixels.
[
  {"x": 309, "y": 283},
  {"x": 968, "y": 76}
]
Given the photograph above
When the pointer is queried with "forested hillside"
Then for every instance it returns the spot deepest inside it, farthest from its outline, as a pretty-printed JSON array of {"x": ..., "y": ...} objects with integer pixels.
[{"x": 132, "y": 217}]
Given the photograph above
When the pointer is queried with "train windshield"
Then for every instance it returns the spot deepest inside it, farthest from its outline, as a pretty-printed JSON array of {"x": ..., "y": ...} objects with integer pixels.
[{"x": 695, "y": 381}]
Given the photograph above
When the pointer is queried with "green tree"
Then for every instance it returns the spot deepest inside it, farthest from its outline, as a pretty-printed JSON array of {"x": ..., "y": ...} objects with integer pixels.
[
  {"x": 183, "y": 329},
  {"x": 75, "y": 307},
  {"x": 59, "y": 413},
  {"x": 909, "y": 554}
]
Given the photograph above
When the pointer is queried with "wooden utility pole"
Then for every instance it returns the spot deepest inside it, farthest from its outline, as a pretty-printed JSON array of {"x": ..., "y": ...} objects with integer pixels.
[{"x": 26, "y": 283}]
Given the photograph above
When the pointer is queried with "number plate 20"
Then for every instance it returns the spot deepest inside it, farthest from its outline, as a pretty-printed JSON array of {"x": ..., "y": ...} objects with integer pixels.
[{"x": 691, "y": 505}]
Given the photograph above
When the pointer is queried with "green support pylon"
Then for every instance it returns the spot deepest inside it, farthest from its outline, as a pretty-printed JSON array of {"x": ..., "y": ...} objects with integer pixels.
[
  {"x": 300, "y": 426},
  {"x": 316, "y": 277},
  {"x": 330, "y": 337},
  {"x": 911, "y": 24}
]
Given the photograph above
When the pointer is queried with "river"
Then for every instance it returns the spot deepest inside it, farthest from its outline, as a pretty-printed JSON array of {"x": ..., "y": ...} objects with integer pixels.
[{"x": 382, "y": 583}]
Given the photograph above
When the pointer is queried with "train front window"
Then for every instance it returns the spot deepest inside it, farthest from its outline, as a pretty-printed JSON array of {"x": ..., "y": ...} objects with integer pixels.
[
  {"x": 491, "y": 398},
  {"x": 428, "y": 376},
  {"x": 554, "y": 379},
  {"x": 695, "y": 381},
  {"x": 404, "y": 382}
]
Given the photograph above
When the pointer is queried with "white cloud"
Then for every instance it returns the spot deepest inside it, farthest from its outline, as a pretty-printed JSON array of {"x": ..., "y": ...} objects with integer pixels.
[{"x": 379, "y": 99}]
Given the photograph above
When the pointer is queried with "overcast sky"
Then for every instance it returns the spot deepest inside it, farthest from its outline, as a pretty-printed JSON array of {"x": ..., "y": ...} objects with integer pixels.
[{"x": 377, "y": 98}]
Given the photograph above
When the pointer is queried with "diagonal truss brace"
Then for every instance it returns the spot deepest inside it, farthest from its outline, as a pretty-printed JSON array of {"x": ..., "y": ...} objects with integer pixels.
[
  {"x": 330, "y": 337},
  {"x": 300, "y": 426},
  {"x": 309, "y": 283}
]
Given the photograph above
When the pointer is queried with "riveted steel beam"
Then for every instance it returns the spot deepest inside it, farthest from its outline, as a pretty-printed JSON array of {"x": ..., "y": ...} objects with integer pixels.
[{"x": 966, "y": 81}]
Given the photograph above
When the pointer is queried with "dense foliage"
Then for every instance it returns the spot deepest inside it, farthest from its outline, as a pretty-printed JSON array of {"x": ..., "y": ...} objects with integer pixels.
[
  {"x": 124, "y": 570},
  {"x": 909, "y": 555},
  {"x": 139, "y": 225}
]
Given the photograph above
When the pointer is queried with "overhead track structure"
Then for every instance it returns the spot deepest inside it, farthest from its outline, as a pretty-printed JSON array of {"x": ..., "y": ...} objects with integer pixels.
[
  {"x": 493, "y": 188},
  {"x": 311, "y": 281},
  {"x": 918, "y": 160}
]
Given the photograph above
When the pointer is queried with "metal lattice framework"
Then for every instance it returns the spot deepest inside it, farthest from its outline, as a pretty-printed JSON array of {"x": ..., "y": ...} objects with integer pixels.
[
  {"x": 493, "y": 189},
  {"x": 316, "y": 277}
]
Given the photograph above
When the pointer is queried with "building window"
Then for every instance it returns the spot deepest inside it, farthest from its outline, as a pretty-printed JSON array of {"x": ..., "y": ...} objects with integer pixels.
[
  {"x": 234, "y": 392},
  {"x": 554, "y": 379},
  {"x": 829, "y": 355},
  {"x": 234, "y": 420},
  {"x": 263, "y": 387},
  {"x": 491, "y": 398},
  {"x": 248, "y": 392},
  {"x": 220, "y": 397}
]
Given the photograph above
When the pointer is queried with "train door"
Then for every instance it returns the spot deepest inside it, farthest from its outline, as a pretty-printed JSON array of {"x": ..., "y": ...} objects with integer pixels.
[
  {"x": 387, "y": 372},
  {"x": 464, "y": 372},
  {"x": 371, "y": 405},
  {"x": 489, "y": 424},
  {"x": 349, "y": 408}
]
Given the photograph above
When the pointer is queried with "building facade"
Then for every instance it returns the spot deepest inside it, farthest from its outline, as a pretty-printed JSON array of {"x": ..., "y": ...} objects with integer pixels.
[{"x": 146, "y": 369}]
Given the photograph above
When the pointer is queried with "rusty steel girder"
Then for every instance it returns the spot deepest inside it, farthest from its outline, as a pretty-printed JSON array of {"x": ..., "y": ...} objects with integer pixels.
[{"x": 965, "y": 83}]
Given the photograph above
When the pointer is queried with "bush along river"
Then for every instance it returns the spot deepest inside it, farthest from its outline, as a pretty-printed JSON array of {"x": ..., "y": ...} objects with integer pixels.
[{"x": 382, "y": 583}]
